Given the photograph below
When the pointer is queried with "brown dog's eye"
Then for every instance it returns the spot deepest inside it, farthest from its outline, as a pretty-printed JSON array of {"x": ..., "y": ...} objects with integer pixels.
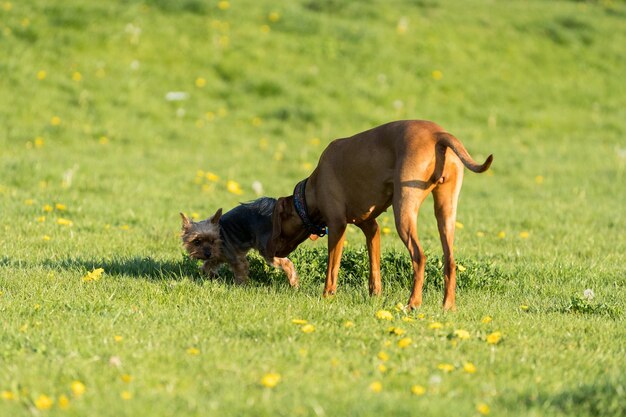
[{"x": 196, "y": 241}]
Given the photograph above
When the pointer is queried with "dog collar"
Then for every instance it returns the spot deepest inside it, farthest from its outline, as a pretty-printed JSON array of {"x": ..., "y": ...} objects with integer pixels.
[{"x": 299, "y": 201}]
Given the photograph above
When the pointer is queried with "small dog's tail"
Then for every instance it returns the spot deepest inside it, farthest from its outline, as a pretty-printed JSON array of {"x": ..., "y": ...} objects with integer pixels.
[{"x": 446, "y": 140}]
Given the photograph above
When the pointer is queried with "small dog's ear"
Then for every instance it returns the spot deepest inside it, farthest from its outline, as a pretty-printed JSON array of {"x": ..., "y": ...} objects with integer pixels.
[
  {"x": 216, "y": 216},
  {"x": 186, "y": 221}
]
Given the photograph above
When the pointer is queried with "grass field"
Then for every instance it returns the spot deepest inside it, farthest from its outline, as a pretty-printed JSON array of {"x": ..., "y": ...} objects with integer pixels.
[{"x": 117, "y": 115}]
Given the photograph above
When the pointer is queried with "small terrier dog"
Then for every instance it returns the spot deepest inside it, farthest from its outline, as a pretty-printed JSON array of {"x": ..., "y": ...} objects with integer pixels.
[{"x": 228, "y": 238}]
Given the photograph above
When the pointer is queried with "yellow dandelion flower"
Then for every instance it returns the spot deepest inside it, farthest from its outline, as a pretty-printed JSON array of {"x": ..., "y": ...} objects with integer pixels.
[
  {"x": 315, "y": 141},
  {"x": 383, "y": 356},
  {"x": 445, "y": 367},
  {"x": 126, "y": 378},
  {"x": 118, "y": 338},
  {"x": 480, "y": 234},
  {"x": 421, "y": 316},
  {"x": 234, "y": 187},
  {"x": 523, "y": 307},
  {"x": 469, "y": 367},
  {"x": 405, "y": 342},
  {"x": 462, "y": 334},
  {"x": 60, "y": 207},
  {"x": 124, "y": 227},
  {"x": 212, "y": 177},
  {"x": 408, "y": 319},
  {"x": 494, "y": 338},
  {"x": 270, "y": 380},
  {"x": 418, "y": 390},
  {"x": 299, "y": 321},
  {"x": 482, "y": 408},
  {"x": 459, "y": 225},
  {"x": 486, "y": 320},
  {"x": 376, "y": 387},
  {"x": 402, "y": 26},
  {"x": 94, "y": 275},
  {"x": 501, "y": 234},
  {"x": 382, "y": 368},
  {"x": 387, "y": 343},
  {"x": 210, "y": 115},
  {"x": 64, "y": 222},
  {"x": 47, "y": 208},
  {"x": 193, "y": 351},
  {"x": 524, "y": 235},
  {"x": 461, "y": 268},
  {"x": 435, "y": 325},
  {"x": 384, "y": 315},
  {"x": 264, "y": 143},
  {"x": 78, "y": 388},
  {"x": 396, "y": 330},
  {"x": 386, "y": 230},
  {"x": 348, "y": 324},
  {"x": 41, "y": 219},
  {"x": 55, "y": 121},
  {"x": 76, "y": 76},
  {"x": 39, "y": 142},
  {"x": 265, "y": 29},
  {"x": 273, "y": 17},
  {"x": 437, "y": 75},
  {"x": 7, "y": 395},
  {"x": 200, "y": 82},
  {"x": 103, "y": 140},
  {"x": 308, "y": 328},
  {"x": 41, "y": 75},
  {"x": 126, "y": 395},
  {"x": 539, "y": 179},
  {"x": 223, "y": 5},
  {"x": 43, "y": 402},
  {"x": 29, "y": 201},
  {"x": 64, "y": 402}
]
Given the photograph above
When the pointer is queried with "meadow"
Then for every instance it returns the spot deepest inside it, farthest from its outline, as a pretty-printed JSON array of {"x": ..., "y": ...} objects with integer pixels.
[{"x": 115, "y": 116}]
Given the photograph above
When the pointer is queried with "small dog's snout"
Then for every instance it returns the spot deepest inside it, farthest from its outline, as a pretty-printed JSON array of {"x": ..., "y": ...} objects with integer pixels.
[{"x": 207, "y": 253}]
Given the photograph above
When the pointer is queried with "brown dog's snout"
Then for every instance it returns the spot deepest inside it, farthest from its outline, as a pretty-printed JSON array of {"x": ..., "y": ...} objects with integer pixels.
[{"x": 207, "y": 253}]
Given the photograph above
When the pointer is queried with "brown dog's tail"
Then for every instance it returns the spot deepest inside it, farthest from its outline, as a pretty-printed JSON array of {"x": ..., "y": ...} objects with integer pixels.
[{"x": 446, "y": 140}]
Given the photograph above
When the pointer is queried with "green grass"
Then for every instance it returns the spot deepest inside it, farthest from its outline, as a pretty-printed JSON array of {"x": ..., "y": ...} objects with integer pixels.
[{"x": 537, "y": 83}]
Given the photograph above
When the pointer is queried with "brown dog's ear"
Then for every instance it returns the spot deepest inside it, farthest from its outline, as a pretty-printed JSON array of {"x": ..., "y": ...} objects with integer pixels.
[
  {"x": 314, "y": 237},
  {"x": 279, "y": 209},
  {"x": 186, "y": 221},
  {"x": 216, "y": 216}
]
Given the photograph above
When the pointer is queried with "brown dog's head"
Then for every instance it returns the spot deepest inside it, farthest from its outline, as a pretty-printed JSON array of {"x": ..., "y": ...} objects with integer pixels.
[
  {"x": 288, "y": 230},
  {"x": 202, "y": 239}
]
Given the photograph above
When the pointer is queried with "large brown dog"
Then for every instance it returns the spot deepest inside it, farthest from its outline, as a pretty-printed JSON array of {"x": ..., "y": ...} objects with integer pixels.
[{"x": 358, "y": 178}]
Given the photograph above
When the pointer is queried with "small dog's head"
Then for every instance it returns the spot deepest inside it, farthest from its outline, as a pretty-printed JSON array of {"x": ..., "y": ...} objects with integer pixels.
[{"x": 202, "y": 239}]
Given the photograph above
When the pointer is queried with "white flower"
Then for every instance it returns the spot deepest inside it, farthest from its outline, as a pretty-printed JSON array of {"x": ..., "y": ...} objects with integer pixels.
[
  {"x": 257, "y": 187},
  {"x": 176, "y": 96},
  {"x": 589, "y": 294}
]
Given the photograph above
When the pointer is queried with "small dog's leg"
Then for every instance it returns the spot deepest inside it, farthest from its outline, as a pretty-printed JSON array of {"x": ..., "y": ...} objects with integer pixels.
[
  {"x": 209, "y": 269},
  {"x": 336, "y": 238},
  {"x": 240, "y": 270},
  {"x": 287, "y": 267},
  {"x": 372, "y": 235}
]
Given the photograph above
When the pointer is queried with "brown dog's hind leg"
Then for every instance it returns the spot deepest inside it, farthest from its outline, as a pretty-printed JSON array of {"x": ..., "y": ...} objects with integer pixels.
[
  {"x": 336, "y": 238},
  {"x": 405, "y": 209},
  {"x": 446, "y": 196},
  {"x": 371, "y": 230},
  {"x": 288, "y": 268}
]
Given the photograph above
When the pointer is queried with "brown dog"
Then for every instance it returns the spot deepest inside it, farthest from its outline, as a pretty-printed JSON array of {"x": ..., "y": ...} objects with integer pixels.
[{"x": 358, "y": 178}]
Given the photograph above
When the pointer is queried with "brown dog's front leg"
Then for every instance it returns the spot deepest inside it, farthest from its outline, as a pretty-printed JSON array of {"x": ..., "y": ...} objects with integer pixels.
[
  {"x": 288, "y": 268},
  {"x": 372, "y": 235},
  {"x": 336, "y": 238}
]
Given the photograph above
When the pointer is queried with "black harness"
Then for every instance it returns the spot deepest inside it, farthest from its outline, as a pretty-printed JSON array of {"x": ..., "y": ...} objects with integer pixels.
[{"x": 299, "y": 201}]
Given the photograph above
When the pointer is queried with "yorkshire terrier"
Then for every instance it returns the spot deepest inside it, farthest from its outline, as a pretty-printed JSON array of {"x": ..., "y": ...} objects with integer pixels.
[{"x": 228, "y": 238}]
